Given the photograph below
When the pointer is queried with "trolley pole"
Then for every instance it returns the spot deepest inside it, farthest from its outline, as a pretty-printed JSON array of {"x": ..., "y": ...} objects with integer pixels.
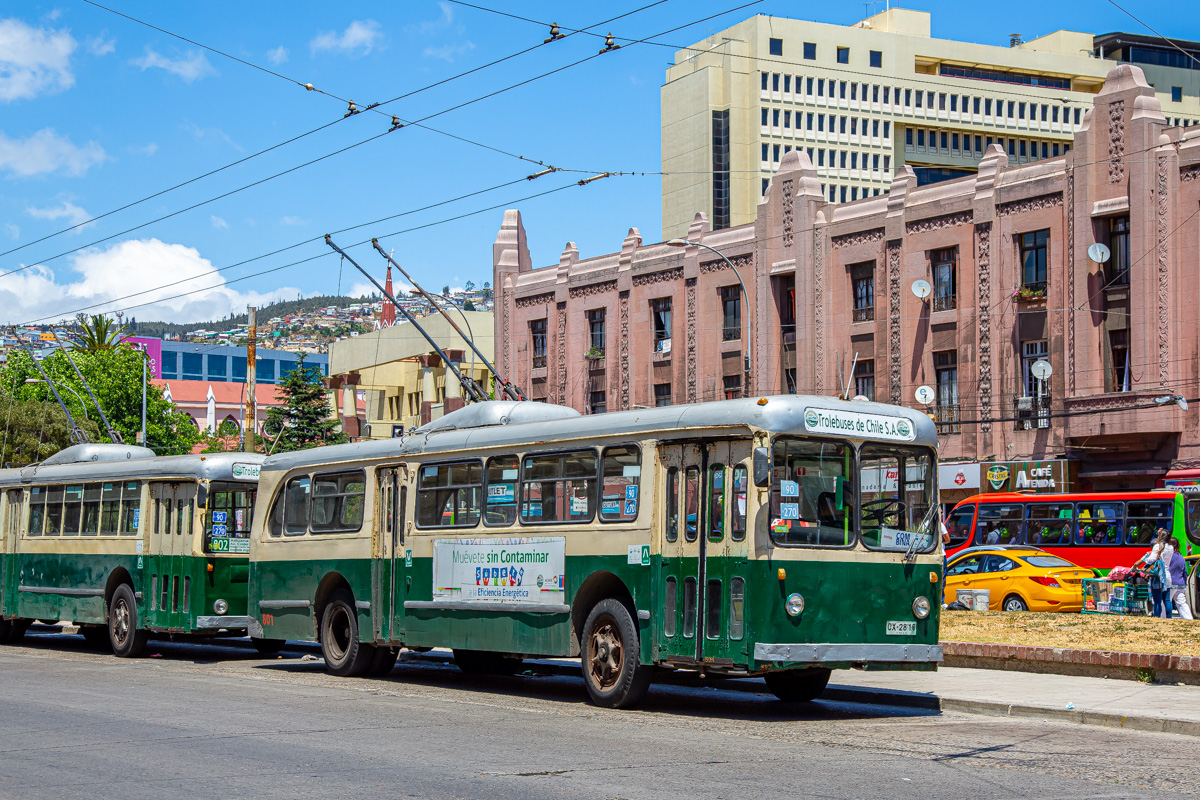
[{"x": 248, "y": 421}]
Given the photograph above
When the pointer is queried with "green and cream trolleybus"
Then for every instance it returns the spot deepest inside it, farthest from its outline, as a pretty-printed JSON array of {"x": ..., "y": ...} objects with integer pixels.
[
  {"x": 126, "y": 544},
  {"x": 776, "y": 536}
]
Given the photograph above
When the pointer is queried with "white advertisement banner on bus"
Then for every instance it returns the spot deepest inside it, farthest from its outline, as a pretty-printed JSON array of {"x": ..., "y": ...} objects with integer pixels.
[
  {"x": 510, "y": 570},
  {"x": 858, "y": 425}
]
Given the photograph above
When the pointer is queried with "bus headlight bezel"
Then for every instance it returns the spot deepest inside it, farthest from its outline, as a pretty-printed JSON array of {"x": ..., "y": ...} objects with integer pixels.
[
  {"x": 920, "y": 607},
  {"x": 220, "y": 606},
  {"x": 794, "y": 605}
]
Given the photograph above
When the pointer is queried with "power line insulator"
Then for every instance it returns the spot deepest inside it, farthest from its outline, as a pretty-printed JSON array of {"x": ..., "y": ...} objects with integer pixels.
[
  {"x": 396, "y": 124},
  {"x": 350, "y": 110},
  {"x": 555, "y": 34},
  {"x": 610, "y": 44}
]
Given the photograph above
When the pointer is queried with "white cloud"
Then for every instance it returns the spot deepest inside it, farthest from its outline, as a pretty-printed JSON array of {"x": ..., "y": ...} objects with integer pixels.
[
  {"x": 116, "y": 271},
  {"x": 145, "y": 150},
  {"x": 214, "y": 133},
  {"x": 430, "y": 27},
  {"x": 33, "y": 60},
  {"x": 293, "y": 221},
  {"x": 54, "y": 14},
  {"x": 190, "y": 67},
  {"x": 447, "y": 52},
  {"x": 67, "y": 210},
  {"x": 13, "y": 231},
  {"x": 217, "y": 222},
  {"x": 45, "y": 152},
  {"x": 359, "y": 38},
  {"x": 99, "y": 46},
  {"x": 278, "y": 55}
]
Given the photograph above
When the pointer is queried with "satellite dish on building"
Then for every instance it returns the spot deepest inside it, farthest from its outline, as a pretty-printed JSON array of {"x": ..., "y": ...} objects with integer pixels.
[
  {"x": 1041, "y": 368},
  {"x": 925, "y": 395},
  {"x": 922, "y": 289},
  {"x": 1099, "y": 253}
]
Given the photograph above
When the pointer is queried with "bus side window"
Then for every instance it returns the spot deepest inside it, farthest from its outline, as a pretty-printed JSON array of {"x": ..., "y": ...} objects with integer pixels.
[
  {"x": 691, "y": 503},
  {"x": 737, "y": 528},
  {"x": 716, "y": 502},
  {"x": 960, "y": 524},
  {"x": 1192, "y": 528},
  {"x": 621, "y": 470}
]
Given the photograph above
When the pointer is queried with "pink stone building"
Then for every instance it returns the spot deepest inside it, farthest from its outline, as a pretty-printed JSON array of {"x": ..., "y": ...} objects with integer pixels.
[{"x": 1002, "y": 260}]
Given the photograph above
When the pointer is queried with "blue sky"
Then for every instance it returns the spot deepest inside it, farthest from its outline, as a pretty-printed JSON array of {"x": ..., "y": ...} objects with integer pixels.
[{"x": 97, "y": 111}]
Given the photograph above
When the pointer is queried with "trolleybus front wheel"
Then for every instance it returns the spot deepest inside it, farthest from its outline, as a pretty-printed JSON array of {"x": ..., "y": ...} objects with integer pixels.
[
  {"x": 798, "y": 685},
  {"x": 345, "y": 655},
  {"x": 612, "y": 671},
  {"x": 127, "y": 639}
]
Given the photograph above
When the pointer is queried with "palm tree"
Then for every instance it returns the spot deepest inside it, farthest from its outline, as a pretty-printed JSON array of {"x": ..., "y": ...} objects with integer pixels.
[{"x": 99, "y": 333}]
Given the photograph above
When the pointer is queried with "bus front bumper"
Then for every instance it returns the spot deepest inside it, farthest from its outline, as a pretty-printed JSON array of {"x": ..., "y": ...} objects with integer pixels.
[
  {"x": 848, "y": 653},
  {"x": 219, "y": 623}
]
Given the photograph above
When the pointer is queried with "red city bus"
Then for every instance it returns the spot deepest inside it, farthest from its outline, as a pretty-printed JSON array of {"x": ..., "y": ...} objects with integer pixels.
[{"x": 1095, "y": 530}]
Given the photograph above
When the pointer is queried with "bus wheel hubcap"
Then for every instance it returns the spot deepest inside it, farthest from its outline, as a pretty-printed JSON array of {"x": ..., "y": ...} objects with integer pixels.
[
  {"x": 121, "y": 618},
  {"x": 606, "y": 656}
]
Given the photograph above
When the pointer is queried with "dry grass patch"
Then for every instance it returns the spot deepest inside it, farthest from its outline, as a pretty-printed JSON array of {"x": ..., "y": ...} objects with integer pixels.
[{"x": 1082, "y": 631}]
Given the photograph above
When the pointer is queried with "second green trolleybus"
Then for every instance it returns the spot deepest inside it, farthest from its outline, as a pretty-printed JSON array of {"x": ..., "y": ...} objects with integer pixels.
[{"x": 778, "y": 536}]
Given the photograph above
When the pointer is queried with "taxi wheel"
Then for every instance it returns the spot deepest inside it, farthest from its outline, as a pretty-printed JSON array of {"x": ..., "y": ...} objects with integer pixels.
[
  {"x": 1014, "y": 603},
  {"x": 798, "y": 685}
]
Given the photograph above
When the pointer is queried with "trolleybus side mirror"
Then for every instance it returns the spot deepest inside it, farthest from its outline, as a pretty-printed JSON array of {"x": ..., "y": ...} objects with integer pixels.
[
  {"x": 202, "y": 496},
  {"x": 762, "y": 467}
]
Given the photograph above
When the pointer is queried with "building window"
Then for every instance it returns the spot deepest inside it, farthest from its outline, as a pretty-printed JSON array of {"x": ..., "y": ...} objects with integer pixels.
[
  {"x": 661, "y": 309},
  {"x": 945, "y": 289},
  {"x": 864, "y": 379},
  {"x": 732, "y": 386},
  {"x": 597, "y": 403},
  {"x": 662, "y": 394},
  {"x": 775, "y": 46},
  {"x": 731, "y": 313},
  {"x": 537, "y": 331},
  {"x": 810, "y": 51},
  {"x": 1118, "y": 243},
  {"x": 217, "y": 367},
  {"x": 787, "y": 84},
  {"x": 596, "y": 330},
  {"x": 843, "y": 55},
  {"x": 1031, "y": 353},
  {"x": 864, "y": 292},
  {"x": 877, "y": 59},
  {"x": 264, "y": 370},
  {"x": 193, "y": 367},
  {"x": 945, "y": 365},
  {"x": 720, "y": 168},
  {"x": 1034, "y": 247},
  {"x": 1176, "y": 94},
  {"x": 789, "y": 380},
  {"x": 764, "y": 81},
  {"x": 1118, "y": 342}
]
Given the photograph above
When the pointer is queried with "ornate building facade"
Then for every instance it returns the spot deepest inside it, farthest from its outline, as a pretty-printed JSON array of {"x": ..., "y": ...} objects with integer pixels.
[{"x": 944, "y": 297}]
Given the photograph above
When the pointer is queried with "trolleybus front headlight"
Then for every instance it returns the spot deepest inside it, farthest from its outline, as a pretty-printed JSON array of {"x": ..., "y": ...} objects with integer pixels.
[
  {"x": 794, "y": 605},
  {"x": 220, "y": 606},
  {"x": 921, "y": 607}
]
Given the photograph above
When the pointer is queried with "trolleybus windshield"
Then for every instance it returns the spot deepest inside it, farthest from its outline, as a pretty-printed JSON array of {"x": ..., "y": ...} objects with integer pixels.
[
  {"x": 227, "y": 518},
  {"x": 812, "y": 493}
]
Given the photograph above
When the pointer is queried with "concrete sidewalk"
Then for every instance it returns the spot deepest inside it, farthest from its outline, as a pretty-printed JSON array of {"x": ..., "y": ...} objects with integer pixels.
[{"x": 1089, "y": 701}]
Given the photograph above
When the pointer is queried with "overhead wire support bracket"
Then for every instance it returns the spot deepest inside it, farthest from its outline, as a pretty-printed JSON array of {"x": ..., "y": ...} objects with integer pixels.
[
  {"x": 472, "y": 389},
  {"x": 547, "y": 171},
  {"x": 508, "y": 388},
  {"x": 586, "y": 181}
]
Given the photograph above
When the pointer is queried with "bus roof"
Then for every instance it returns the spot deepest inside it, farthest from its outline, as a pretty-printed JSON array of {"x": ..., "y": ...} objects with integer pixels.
[
  {"x": 529, "y": 424},
  {"x": 208, "y": 466},
  {"x": 1066, "y": 497}
]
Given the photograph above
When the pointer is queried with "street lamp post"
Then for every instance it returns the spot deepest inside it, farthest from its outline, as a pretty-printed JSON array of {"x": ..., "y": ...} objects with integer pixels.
[{"x": 745, "y": 301}]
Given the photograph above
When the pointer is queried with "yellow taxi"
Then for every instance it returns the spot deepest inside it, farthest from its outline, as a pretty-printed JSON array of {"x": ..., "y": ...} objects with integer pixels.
[{"x": 1018, "y": 578}]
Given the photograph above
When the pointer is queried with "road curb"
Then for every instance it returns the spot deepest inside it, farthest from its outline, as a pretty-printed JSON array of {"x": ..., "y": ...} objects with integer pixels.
[{"x": 1081, "y": 717}]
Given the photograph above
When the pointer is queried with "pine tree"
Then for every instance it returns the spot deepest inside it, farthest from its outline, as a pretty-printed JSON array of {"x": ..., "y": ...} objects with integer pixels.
[{"x": 304, "y": 420}]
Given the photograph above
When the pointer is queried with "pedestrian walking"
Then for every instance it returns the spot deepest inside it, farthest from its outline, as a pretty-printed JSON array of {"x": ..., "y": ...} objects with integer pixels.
[
  {"x": 1159, "y": 576},
  {"x": 1177, "y": 570}
]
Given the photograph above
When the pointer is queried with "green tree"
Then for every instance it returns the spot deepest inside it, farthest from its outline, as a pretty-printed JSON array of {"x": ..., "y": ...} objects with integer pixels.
[
  {"x": 468, "y": 306},
  {"x": 469, "y": 286},
  {"x": 115, "y": 375},
  {"x": 99, "y": 333},
  {"x": 305, "y": 419},
  {"x": 34, "y": 430}
]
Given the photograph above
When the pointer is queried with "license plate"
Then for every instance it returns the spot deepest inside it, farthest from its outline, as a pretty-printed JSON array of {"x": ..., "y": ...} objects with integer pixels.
[{"x": 901, "y": 629}]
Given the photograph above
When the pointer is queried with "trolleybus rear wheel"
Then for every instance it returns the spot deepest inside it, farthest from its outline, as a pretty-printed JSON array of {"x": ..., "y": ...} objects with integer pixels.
[
  {"x": 798, "y": 685},
  {"x": 126, "y": 638},
  {"x": 345, "y": 655},
  {"x": 612, "y": 671},
  {"x": 384, "y": 660},
  {"x": 16, "y": 631}
]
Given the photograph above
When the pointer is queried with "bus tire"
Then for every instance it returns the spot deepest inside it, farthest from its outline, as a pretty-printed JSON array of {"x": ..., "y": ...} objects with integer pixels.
[
  {"x": 128, "y": 640},
  {"x": 96, "y": 637},
  {"x": 485, "y": 662},
  {"x": 1014, "y": 603},
  {"x": 612, "y": 669},
  {"x": 384, "y": 660},
  {"x": 268, "y": 647},
  {"x": 798, "y": 685},
  {"x": 16, "y": 631},
  {"x": 345, "y": 655}
]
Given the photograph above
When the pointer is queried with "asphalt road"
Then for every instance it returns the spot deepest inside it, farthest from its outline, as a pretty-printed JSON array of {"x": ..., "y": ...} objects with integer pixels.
[{"x": 222, "y": 722}]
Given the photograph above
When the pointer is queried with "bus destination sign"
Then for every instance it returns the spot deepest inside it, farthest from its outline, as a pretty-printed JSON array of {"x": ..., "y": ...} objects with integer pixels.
[{"x": 858, "y": 425}]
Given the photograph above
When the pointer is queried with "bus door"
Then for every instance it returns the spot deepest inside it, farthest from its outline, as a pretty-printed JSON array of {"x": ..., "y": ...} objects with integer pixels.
[
  {"x": 170, "y": 535},
  {"x": 726, "y": 493},
  {"x": 9, "y": 536},
  {"x": 683, "y": 543},
  {"x": 394, "y": 549}
]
